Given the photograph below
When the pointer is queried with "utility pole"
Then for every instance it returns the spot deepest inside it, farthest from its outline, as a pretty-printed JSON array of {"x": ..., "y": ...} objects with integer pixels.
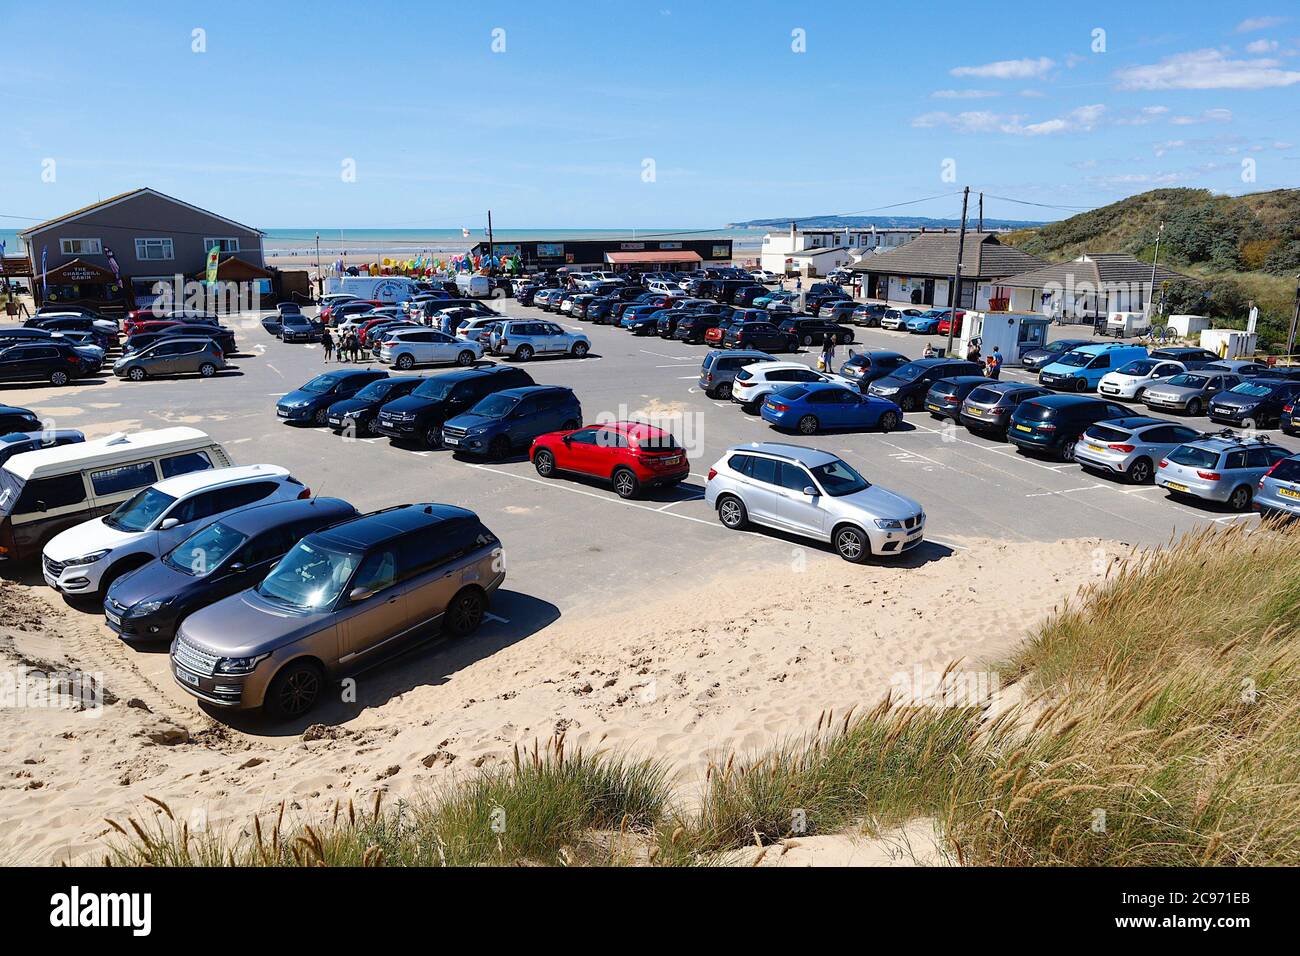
[
  {"x": 1156, "y": 259},
  {"x": 320, "y": 280},
  {"x": 1295, "y": 321},
  {"x": 490, "y": 247},
  {"x": 981, "y": 228},
  {"x": 956, "y": 276}
]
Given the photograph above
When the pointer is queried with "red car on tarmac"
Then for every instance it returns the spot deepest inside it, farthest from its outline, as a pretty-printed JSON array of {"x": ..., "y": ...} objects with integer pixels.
[
  {"x": 631, "y": 456},
  {"x": 947, "y": 321}
]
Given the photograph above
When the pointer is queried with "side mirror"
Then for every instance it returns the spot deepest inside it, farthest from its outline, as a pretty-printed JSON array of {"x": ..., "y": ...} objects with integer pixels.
[
  {"x": 236, "y": 566},
  {"x": 42, "y": 506},
  {"x": 567, "y": 439},
  {"x": 168, "y": 524},
  {"x": 810, "y": 491},
  {"x": 360, "y": 594}
]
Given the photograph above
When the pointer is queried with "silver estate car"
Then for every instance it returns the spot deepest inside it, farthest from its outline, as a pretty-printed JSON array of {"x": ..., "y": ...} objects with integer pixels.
[
  {"x": 1189, "y": 392},
  {"x": 1224, "y": 468},
  {"x": 813, "y": 494},
  {"x": 174, "y": 356},
  {"x": 1131, "y": 447},
  {"x": 340, "y": 599},
  {"x": 1278, "y": 491}
]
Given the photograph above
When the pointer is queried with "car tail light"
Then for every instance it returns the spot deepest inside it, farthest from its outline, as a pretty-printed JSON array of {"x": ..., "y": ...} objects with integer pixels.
[
  {"x": 778, "y": 407},
  {"x": 305, "y": 493},
  {"x": 1210, "y": 475},
  {"x": 1163, "y": 462},
  {"x": 1045, "y": 428},
  {"x": 390, "y": 343},
  {"x": 713, "y": 473},
  {"x": 1288, "y": 408},
  {"x": 1124, "y": 448}
]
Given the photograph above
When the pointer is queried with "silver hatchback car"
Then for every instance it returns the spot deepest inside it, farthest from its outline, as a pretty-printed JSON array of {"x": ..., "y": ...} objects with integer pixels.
[
  {"x": 813, "y": 494},
  {"x": 1131, "y": 447},
  {"x": 1189, "y": 392},
  {"x": 1278, "y": 491},
  {"x": 1224, "y": 468}
]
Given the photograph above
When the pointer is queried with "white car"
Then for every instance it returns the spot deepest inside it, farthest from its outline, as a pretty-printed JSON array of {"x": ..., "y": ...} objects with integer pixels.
[
  {"x": 1131, "y": 380},
  {"x": 896, "y": 319},
  {"x": 522, "y": 339},
  {"x": 407, "y": 348},
  {"x": 764, "y": 277},
  {"x": 755, "y": 382},
  {"x": 664, "y": 287},
  {"x": 88, "y": 557},
  {"x": 472, "y": 330}
]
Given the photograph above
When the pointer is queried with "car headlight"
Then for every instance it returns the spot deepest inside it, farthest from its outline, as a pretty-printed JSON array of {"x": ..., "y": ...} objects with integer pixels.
[
  {"x": 889, "y": 524},
  {"x": 149, "y": 607},
  {"x": 886, "y": 391},
  {"x": 87, "y": 558},
  {"x": 239, "y": 665}
]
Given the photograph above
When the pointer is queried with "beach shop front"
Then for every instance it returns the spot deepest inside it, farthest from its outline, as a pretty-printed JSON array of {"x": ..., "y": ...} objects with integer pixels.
[
  {"x": 658, "y": 260},
  {"x": 83, "y": 284}
]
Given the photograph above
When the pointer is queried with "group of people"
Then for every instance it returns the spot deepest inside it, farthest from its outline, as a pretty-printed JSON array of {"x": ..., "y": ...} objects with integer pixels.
[{"x": 348, "y": 346}]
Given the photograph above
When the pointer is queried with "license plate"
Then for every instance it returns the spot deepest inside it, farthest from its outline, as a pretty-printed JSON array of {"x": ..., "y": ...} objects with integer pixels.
[
  {"x": 1095, "y": 447},
  {"x": 450, "y": 441},
  {"x": 1175, "y": 485},
  {"x": 1023, "y": 428},
  {"x": 914, "y": 535},
  {"x": 113, "y": 619},
  {"x": 1288, "y": 493},
  {"x": 188, "y": 678},
  {"x": 283, "y": 413},
  {"x": 933, "y": 408},
  {"x": 975, "y": 411}
]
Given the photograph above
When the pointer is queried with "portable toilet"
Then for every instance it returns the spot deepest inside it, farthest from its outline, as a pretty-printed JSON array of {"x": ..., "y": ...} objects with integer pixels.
[{"x": 1011, "y": 332}]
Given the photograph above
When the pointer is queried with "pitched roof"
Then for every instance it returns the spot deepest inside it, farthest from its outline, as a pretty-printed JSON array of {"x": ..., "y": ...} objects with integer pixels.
[
  {"x": 935, "y": 254},
  {"x": 123, "y": 197},
  {"x": 1097, "y": 269}
]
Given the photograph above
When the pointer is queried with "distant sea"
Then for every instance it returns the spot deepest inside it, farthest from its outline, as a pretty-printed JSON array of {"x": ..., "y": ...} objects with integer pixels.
[{"x": 374, "y": 241}]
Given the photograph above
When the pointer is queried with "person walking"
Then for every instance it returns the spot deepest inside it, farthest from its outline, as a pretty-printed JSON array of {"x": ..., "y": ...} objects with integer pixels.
[
  {"x": 994, "y": 364},
  {"x": 973, "y": 352},
  {"x": 327, "y": 343},
  {"x": 828, "y": 352}
]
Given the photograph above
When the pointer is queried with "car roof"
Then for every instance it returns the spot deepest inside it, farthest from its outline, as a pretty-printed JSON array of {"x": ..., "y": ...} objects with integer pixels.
[
  {"x": 379, "y": 527},
  {"x": 260, "y": 517},
  {"x": 760, "y": 367},
  {"x": 1222, "y": 442},
  {"x": 523, "y": 391},
  {"x": 1097, "y": 348},
  {"x": 193, "y": 481},
  {"x": 811, "y": 457},
  {"x": 1064, "y": 401},
  {"x": 107, "y": 450},
  {"x": 1136, "y": 421},
  {"x": 635, "y": 431},
  {"x": 353, "y": 372},
  {"x": 963, "y": 380}
]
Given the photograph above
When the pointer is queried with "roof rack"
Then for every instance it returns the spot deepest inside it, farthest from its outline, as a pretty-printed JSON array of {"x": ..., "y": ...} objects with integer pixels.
[{"x": 1227, "y": 434}]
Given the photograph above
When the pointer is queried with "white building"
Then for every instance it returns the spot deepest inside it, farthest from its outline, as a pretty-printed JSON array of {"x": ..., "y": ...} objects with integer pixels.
[{"x": 818, "y": 251}]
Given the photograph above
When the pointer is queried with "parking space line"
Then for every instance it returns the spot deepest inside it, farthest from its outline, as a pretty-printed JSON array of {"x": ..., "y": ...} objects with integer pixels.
[{"x": 1065, "y": 491}]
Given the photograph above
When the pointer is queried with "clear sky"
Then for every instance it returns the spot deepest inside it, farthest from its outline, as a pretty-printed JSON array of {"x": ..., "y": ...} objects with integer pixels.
[{"x": 745, "y": 109}]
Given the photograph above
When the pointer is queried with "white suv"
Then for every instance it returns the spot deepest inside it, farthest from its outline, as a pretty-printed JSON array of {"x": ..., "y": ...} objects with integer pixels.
[
  {"x": 87, "y": 558},
  {"x": 523, "y": 339},
  {"x": 755, "y": 382},
  {"x": 407, "y": 348}
]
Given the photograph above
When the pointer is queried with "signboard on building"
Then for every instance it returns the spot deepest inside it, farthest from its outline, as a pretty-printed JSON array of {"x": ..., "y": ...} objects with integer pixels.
[{"x": 550, "y": 250}]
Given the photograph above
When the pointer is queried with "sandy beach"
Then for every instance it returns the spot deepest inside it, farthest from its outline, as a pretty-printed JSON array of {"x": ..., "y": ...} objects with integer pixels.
[{"x": 677, "y": 675}]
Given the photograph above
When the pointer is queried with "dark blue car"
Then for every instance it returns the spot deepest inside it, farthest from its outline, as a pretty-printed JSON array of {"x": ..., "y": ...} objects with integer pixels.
[
  {"x": 509, "y": 420},
  {"x": 311, "y": 402},
  {"x": 644, "y": 323},
  {"x": 222, "y": 559},
  {"x": 810, "y": 407},
  {"x": 359, "y": 411},
  {"x": 15, "y": 443}
]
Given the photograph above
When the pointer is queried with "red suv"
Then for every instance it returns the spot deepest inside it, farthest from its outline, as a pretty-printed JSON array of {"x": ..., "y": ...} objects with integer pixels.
[{"x": 629, "y": 455}]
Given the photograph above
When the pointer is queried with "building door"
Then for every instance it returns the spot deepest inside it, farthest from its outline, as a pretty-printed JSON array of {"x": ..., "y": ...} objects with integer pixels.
[{"x": 927, "y": 297}]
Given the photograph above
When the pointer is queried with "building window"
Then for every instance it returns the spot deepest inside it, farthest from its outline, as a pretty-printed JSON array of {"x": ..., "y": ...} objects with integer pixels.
[
  {"x": 153, "y": 249},
  {"x": 224, "y": 245},
  {"x": 80, "y": 247}
]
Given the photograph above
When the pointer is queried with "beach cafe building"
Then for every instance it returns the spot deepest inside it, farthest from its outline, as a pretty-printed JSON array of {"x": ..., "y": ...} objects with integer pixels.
[
  {"x": 618, "y": 255},
  {"x": 109, "y": 256},
  {"x": 920, "y": 272}
]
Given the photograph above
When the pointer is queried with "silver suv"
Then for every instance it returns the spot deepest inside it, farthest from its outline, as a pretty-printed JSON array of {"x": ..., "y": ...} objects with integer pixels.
[
  {"x": 524, "y": 339},
  {"x": 336, "y": 602},
  {"x": 813, "y": 494},
  {"x": 173, "y": 356}
]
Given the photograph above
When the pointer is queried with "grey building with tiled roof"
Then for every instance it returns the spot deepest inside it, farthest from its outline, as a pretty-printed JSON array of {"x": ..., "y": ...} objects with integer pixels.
[
  {"x": 921, "y": 270},
  {"x": 1091, "y": 286}
]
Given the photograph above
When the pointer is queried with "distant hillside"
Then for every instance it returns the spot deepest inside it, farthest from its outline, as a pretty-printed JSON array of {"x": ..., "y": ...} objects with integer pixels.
[
  {"x": 1240, "y": 248},
  {"x": 880, "y": 222}
]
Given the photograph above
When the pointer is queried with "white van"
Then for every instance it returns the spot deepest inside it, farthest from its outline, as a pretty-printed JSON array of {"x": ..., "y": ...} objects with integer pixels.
[
  {"x": 43, "y": 492},
  {"x": 378, "y": 288}
]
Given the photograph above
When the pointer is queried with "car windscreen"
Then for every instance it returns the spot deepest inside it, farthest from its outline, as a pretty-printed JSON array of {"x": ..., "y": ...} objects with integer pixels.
[
  {"x": 1140, "y": 367},
  {"x": 1254, "y": 389},
  {"x": 495, "y": 406},
  {"x": 204, "y": 551},
  {"x": 909, "y": 371},
  {"x": 309, "y": 576},
  {"x": 320, "y": 384},
  {"x": 838, "y": 478},
  {"x": 1194, "y": 457},
  {"x": 1187, "y": 380},
  {"x": 11, "y": 488},
  {"x": 376, "y": 390},
  {"x": 1075, "y": 359},
  {"x": 139, "y": 511},
  {"x": 434, "y": 389}
]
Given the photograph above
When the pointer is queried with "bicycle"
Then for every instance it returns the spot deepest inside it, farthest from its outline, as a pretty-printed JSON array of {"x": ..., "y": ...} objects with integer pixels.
[{"x": 1159, "y": 335}]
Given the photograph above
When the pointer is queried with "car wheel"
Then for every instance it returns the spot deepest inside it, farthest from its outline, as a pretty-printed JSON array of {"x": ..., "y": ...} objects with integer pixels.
[
  {"x": 465, "y": 358},
  {"x": 807, "y": 340},
  {"x": 524, "y": 353},
  {"x": 580, "y": 349},
  {"x": 294, "y": 691},
  {"x": 137, "y": 374},
  {"x": 1239, "y": 500},
  {"x": 321, "y": 417},
  {"x": 626, "y": 483},
  {"x": 59, "y": 377},
  {"x": 544, "y": 462},
  {"x": 851, "y": 544},
  {"x": 888, "y": 421},
  {"x": 465, "y": 613},
  {"x": 1139, "y": 473},
  {"x": 405, "y": 362},
  {"x": 847, "y": 338},
  {"x": 732, "y": 513},
  {"x": 1138, "y": 393},
  {"x": 499, "y": 448},
  {"x": 1080, "y": 385},
  {"x": 808, "y": 425},
  {"x": 432, "y": 437},
  {"x": 1067, "y": 449},
  {"x": 723, "y": 391},
  {"x": 908, "y": 404},
  {"x": 207, "y": 370},
  {"x": 750, "y": 408},
  {"x": 1194, "y": 407}
]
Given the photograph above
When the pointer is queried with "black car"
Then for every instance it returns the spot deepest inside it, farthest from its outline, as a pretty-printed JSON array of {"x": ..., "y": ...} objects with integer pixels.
[
  {"x": 15, "y": 443},
  {"x": 946, "y": 395},
  {"x": 224, "y": 558},
  {"x": 1049, "y": 353},
  {"x": 1192, "y": 358},
  {"x": 15, "y": 419},
  {"x": 1257, "y": 402},
  {"x": 296, "y": 327},
  {"x": 692, "y": 326},
  {"x": 52, "y": 361},
  {"x": 865, "y": 367},
  {"x": 358, "y": 412},
  {"x": 908, "y": 385},
  {"x": 1051, "y": 425},
  {"x": 988, "y": 409},
  {"x": 666, "y": 324},
  {"x": 744, "y": 297},
  {"x": 97, "y": 328},
  {"x": 763, "y": 336},
  {"x": 419, "y": 416},
  {"x": 814, "y": 331},
  {"x": 272, "y": 324}
]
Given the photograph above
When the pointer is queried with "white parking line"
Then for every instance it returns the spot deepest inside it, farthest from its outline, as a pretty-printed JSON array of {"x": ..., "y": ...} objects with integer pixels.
[{"x": 1064, "y": 491}]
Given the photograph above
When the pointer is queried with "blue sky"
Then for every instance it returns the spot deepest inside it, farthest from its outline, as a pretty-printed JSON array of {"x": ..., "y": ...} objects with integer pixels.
[{"x": 1026, "y": 101}]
